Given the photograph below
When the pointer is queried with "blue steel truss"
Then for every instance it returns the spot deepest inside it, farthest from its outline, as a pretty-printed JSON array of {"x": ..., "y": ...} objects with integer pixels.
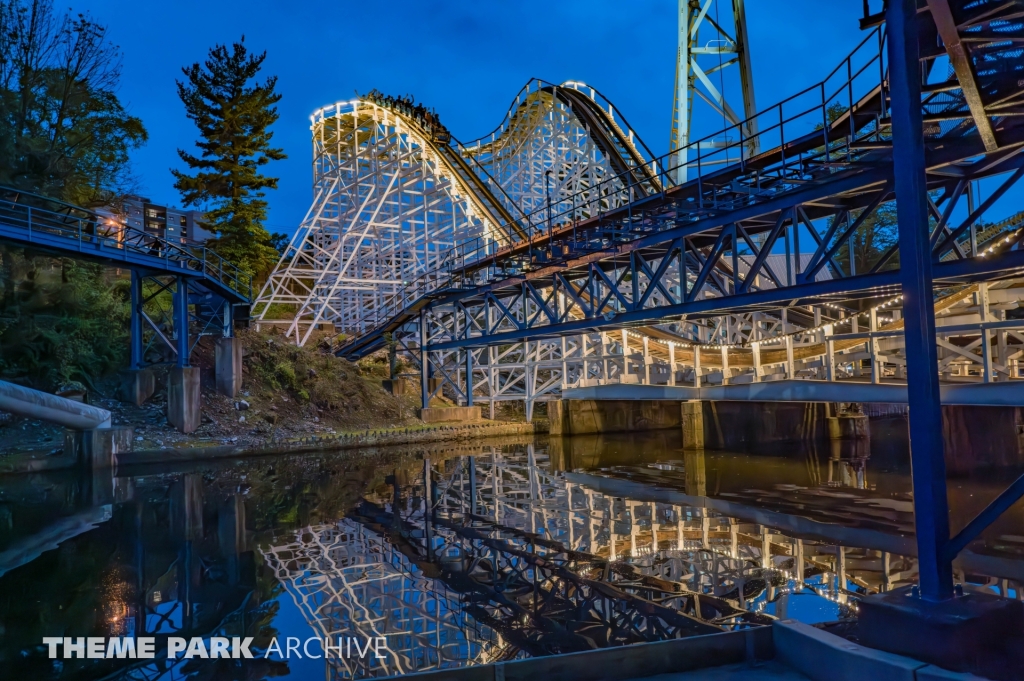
[{"x": 700, "y": 249}]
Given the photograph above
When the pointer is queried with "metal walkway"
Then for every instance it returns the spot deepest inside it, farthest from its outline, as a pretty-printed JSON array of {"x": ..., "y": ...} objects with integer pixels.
[{"x": 205, "y": 288}]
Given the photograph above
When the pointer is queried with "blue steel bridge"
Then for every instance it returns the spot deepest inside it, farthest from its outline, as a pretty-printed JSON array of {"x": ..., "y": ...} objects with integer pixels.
[
  {"x": 207, "y": 292},
  {"x": 557, "y": 254}
]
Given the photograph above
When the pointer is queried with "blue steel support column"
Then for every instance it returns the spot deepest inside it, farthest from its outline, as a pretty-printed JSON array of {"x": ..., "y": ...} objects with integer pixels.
[
  {"x": 424, "y": 363},
  {"x": 229, "y": 322},
  {"x": 469, "y": 377},
  {"x": 181, "y": 321},
  {"x": 136, "y": 321},
  {"x": 931, "y": 509}
]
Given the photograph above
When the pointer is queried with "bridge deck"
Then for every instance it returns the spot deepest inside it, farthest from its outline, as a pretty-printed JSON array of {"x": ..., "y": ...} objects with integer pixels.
[{"x": 64, "y": 230}]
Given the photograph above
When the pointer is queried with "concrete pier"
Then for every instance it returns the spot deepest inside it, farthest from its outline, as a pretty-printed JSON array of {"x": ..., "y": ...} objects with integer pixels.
[
  {"x": 228, "y": 366},
  {"x": 183, "y": 398},
  {"x": 137, "y": 386},
  {"x": 849, "y": 427},
  {"x": 395, "y": 386},
  {"x": 443, "y": 414},
  {"x": 582, "y": 417},
  {"x": 98, "y": 448},
  {"x": 558, "y": 418}
]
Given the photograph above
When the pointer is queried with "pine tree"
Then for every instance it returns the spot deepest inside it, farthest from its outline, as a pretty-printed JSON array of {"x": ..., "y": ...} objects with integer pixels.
[{"x": 234, "y": 114}]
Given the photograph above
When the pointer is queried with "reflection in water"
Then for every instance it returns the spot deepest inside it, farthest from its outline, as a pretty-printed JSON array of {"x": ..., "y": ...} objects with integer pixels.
[
  {"x": 458, "y": 555},
  {"x": 856, "y": 493},
  {"x": 349, "y": 581}
]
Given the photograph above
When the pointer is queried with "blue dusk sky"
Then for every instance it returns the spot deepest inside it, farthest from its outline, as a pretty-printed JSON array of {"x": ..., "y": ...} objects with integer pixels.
[{"x": 466, "y": 59}]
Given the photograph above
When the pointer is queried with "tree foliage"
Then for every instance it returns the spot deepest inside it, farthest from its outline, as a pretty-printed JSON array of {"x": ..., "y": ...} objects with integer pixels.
[
  {"x": 873, "y": 238},
  {"x": 61, "y": 320},
  {"x": 63, "y": 130},
  {"x": 63, "y": 133},
  {"x": 233, "y": 113},
  {"x": 878, "y": 231}
]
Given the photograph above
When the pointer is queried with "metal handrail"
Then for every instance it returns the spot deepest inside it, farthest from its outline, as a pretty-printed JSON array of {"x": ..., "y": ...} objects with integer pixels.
[{"x": 86, "y": 230}]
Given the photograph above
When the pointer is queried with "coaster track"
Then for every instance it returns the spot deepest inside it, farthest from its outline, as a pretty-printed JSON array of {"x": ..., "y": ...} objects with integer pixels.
[{"x": 398, "y": 198}]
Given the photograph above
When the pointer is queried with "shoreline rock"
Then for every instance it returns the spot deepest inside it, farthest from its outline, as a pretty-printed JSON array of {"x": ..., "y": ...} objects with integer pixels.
[{"x": 313, "y": 443}]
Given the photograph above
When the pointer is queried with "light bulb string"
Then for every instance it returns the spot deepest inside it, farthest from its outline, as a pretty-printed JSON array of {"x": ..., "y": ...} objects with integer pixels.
[{"x": 768, "y": 341}]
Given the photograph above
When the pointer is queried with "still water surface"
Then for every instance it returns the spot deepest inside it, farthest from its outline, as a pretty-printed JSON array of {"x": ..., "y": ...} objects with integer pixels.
[{"x": 506, "y": 550}]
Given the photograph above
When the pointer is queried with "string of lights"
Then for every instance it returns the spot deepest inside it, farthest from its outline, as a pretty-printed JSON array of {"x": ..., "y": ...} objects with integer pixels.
[
  {"x": 820, "y": 327},
  {"x": 781, "y": 337},
  {"x": 1007, "y": 239}
]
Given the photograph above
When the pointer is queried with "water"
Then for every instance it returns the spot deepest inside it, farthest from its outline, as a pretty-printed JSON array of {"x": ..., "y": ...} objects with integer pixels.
[{"x": 570, "y": 545}]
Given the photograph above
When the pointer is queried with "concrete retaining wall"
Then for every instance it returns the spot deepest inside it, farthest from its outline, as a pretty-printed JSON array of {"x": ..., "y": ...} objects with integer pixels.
[
  {"x": 974, "y": 436},
  {"x": 822, "y": 656},
  {"x": 990, "y": 436},
  {"x": 622, "y": 662},
  {"x": 584, "y": 417},
  {"x": 99, "y": 448},
  {"x": 444, "y": 414},
  {"x": 742, "y": 425},
  {"x": 727, "y": 425}
]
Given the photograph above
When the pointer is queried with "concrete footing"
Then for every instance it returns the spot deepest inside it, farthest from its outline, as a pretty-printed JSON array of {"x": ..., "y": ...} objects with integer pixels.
[
  {"x": 443, "y": 414},
  {"x": 98, "y": 448},
  {"x": 395, "y": 386},
  {"x": 976, "y": 633},
  {"x": 183, "y": 398},
  {"x": 137, "y": 386},
  {"x": 228, "y": 366},
  {"x": 558, "y": 418}
]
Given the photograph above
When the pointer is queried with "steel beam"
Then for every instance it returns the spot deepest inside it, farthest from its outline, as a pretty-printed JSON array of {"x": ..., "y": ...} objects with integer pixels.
[
  {"x": 960, "y": 60},
  {"x": 181, "y": 318},
  {"x": 136, "y": 321},
  {"x": 931, "y": 509}
]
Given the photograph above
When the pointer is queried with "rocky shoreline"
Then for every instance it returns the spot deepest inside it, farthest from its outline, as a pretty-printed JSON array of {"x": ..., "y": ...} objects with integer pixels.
[{"x": 371, "y": 438}]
